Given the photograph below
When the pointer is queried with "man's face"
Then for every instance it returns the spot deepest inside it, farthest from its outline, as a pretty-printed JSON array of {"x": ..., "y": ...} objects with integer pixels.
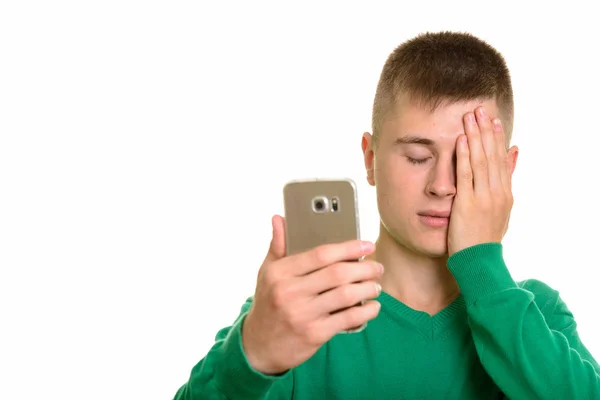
[{"x": 414, "y": 170}]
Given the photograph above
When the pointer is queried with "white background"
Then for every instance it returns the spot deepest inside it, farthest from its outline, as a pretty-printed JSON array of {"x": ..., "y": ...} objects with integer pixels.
[{"x": 144, "y": 146}]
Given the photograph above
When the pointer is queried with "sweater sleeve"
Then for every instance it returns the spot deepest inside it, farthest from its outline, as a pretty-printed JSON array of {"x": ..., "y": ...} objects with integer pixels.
[
  {"x": 529, "y": 353},
  {"x": 225, "y": 374}
]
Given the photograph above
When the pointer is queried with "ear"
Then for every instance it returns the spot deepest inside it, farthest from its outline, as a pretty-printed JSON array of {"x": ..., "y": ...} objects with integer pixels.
[
  {"x": 369, "y": 156},
  {"x": 513, "y": 155}
]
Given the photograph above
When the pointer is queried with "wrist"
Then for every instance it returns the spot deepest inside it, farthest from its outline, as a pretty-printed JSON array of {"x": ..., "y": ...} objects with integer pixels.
[
  {"x": 233, "y": 375},
  {"x": 480, "y": 271},
  {"x": 252, "y": 347}
]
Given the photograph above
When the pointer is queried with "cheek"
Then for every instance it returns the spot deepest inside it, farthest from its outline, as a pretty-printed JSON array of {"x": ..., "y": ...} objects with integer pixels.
[
  {"x": 386, "y": 170},
  {"x": 398, "y": 174}
]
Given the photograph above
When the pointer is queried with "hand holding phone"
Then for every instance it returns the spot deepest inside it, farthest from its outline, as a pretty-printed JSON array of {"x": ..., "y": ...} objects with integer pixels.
[
  {"x": 318, "y": 212},
  {"x": 304, "y": 298}
]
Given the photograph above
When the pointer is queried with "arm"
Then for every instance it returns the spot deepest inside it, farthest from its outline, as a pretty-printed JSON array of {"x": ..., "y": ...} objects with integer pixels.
[
  {"x": 528, "y": 355},
  {"x": 226, "y": 374},
  {"x": 279, "y": 331}
]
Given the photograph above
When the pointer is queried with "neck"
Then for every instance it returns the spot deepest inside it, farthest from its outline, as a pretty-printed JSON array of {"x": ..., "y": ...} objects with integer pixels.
[{"x": 417, "y": 280}]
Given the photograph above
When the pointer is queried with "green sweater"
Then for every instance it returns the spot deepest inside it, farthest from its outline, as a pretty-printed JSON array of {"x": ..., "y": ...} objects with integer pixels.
[{"x": 499, "y": 339}]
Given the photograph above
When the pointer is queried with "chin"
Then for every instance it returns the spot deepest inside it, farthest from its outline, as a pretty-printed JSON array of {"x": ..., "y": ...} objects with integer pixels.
[
  {"x": 430, "y": 251},
  {"x": 428, "y": 248},
  {"x": 431, "y": 245}
]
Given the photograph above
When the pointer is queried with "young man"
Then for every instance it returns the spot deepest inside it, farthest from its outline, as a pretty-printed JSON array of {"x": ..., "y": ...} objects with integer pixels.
[{"x": 445, "y": 319}]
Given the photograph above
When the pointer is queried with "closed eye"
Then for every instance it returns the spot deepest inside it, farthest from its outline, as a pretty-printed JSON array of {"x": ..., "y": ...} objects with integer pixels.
[{"x": 417, "y": 160}]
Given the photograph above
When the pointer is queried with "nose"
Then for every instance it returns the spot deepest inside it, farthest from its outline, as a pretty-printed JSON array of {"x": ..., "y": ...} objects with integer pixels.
[{"x": 442, "y": 180}]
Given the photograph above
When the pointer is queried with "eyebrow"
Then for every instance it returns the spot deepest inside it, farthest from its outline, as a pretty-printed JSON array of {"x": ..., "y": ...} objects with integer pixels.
[{"x": 414, "y": 140}]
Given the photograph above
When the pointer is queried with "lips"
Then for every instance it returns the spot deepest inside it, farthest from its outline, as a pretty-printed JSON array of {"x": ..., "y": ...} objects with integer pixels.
[
  {"x": 435, "y": 218},
  {"x": 435, "y": 214}
]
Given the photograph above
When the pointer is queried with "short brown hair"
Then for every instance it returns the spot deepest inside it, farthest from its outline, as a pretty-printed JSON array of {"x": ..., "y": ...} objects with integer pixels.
[{"x": 444, "y": 67}]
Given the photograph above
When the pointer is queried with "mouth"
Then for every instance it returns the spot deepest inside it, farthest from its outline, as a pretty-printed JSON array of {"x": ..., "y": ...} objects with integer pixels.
[
  {"x": 435, "y": 213},
  {"x": 435, "y": 218}
]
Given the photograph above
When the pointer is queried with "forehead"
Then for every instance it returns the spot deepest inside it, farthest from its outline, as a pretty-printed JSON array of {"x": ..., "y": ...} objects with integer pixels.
[{"x": 442, "y": 125}]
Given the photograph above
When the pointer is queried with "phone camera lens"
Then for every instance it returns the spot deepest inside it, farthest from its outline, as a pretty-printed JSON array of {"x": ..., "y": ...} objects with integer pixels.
[{"x": 320, "y": 204}]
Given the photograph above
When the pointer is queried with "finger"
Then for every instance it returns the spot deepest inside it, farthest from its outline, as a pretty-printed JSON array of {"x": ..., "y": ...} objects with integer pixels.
[
  {"x": 324, "y": 255},
  {"x": 478, "y": 159},
  {"x": 277, "y": 246},
  {"x": 345, "y": 296},
  {"x": 464, "y": 173},
  {"x": 502, "y": 152},
  {"x": 339, "y": 274},
  {"x": 488, "y": 138},
  {"x": 351, "y": 318}
]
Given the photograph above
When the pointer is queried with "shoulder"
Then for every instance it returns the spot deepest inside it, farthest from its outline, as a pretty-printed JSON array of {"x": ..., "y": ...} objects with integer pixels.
[
  {"x": 546, "y": 298},
  {"x": 538, "y": 288}
]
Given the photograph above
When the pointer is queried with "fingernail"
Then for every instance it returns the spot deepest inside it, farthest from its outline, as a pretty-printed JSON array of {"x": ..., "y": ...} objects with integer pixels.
[
  {"x": 381, "y": 269},
  {"x": 470, "y": 118},
  {"x": 481, "y": 112},
  {"x": 497, "y": 125},
  {"x": 367, "y": 246},
  {"x": 378, "y": 288}
]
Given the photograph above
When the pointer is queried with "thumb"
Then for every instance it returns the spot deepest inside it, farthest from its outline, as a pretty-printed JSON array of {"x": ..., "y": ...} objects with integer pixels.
[{"x": 277, "y": 248}]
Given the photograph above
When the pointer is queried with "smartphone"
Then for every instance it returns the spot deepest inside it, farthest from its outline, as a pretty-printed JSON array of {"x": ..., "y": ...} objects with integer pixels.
[{"x": 320, "y": 211}]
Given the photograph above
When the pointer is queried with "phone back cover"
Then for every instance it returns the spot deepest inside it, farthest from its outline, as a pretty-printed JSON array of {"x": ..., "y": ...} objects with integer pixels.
[{"x": 305, "y": 228}]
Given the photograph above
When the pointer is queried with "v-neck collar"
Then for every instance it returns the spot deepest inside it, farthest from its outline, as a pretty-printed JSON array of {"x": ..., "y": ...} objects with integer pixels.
[{"x": 431, "y": 327}]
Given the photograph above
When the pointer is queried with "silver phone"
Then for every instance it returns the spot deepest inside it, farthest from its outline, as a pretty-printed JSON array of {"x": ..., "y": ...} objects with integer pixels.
[{"x": 320, "y": 211}]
